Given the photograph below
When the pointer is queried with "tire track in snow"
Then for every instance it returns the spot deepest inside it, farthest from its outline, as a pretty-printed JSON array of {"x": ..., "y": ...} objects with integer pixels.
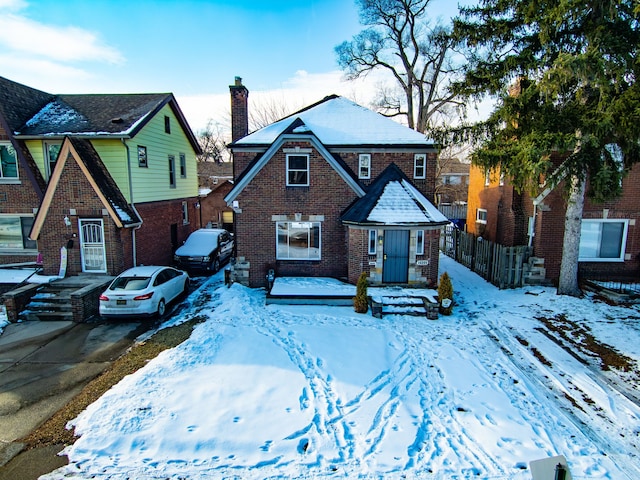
[{"x": 551, "y": 386}]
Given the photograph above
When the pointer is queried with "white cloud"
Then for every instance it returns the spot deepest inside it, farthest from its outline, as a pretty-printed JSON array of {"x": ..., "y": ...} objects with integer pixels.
[
  {"x": 59, "y": 78},
  {"x": 65, "y": 44},
  {"x": 12, "y": 5}
]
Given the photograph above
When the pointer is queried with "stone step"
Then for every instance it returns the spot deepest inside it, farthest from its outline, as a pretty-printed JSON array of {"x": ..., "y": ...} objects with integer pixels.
[{"x": 29, "y": 315}]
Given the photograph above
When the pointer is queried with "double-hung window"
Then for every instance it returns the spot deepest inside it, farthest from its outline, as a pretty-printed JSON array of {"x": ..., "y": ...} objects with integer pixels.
[
  {"x": 603, "y": 240},
  {"x": 298, "y": 240},
  {"x": 420, "y": 166},
  {"x": 364, "y": 166},
  {"x": 14, "y": 233},
  {"x": 8, "y": 162},
  {"x": 297, "y": 170}
]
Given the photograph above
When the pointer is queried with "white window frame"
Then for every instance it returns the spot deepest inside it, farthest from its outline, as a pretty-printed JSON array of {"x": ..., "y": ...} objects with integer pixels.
[
  {"x": 487, "y": 178},
  {"x": 420, "y": 171},
  {"x": 306, "y": 170},
  {"x": 373, "y": 242},
  {"x": 185, "y": 213},
  {"x": 481, "y": 215},
  {"x": 299, "y": 225},
  {"x": 48, "y": 164},
  {"x": 586, "y": 223},
  {"x": 9, "y": 148},
  {"x": 183, "y": 165},
  {"x": 364, "y": 166},
  {"x": 419, "y": 242},
  {"x": 6, "y": 222},
  {"x": 172, "y": 171},
  {"x": 143, "y": 156}
]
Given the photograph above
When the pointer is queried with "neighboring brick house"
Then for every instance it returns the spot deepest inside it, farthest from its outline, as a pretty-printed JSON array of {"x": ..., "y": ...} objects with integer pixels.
[
  {"x": 334, "y": 190},
  {"x": 610, "y": 237},
  {"x": 216, "y": 181},
  {"x": 111, "y": 177}
]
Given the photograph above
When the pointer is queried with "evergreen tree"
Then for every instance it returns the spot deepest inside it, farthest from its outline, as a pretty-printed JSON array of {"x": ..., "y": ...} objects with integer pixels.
[{"x": 573, "y": 67}]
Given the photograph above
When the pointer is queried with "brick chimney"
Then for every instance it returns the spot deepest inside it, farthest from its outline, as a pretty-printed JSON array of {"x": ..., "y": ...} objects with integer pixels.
[{"x": 239, "y": 110}]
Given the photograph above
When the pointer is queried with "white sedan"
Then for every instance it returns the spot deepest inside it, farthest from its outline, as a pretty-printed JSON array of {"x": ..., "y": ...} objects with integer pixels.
[{"x": 143, "y": 291}]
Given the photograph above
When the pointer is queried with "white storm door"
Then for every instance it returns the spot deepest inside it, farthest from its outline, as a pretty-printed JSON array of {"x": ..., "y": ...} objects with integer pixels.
[{"x": 92, "y": 251}]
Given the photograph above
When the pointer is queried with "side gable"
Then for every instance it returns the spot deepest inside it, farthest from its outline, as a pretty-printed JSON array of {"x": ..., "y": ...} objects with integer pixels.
[
  {"x": 253, "y": 169},
  {"x": 83, "y": 153}
]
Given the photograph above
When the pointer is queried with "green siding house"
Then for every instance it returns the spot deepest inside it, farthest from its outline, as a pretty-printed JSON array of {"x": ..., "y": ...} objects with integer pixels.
[{"x": 112, "y": 178}]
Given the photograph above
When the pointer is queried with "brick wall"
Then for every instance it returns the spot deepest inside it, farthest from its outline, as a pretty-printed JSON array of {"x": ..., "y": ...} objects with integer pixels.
[{"x": 153, "y": 238}]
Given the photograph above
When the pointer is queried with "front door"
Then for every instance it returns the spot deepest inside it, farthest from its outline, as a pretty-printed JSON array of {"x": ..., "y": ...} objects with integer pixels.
[
  {"x": 395, "y": 268},
  {"x": 92, "y": 251}
]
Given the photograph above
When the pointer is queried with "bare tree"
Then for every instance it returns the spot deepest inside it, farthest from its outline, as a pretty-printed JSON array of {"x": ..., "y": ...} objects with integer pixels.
[
  {"x": 419, "y": 56},
  {"x": 213, "y": 142}
]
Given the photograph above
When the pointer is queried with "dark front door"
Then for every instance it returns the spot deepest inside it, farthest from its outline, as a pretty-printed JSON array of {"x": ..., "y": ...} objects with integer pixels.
[{"x": 395, "y": 268}]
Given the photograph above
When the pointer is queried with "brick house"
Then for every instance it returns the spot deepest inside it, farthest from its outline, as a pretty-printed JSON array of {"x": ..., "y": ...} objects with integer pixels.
[
  {"x": 334, "y": 190},
  {"x": 610, "y": 237},
  {"x": 111, "y": 177}
]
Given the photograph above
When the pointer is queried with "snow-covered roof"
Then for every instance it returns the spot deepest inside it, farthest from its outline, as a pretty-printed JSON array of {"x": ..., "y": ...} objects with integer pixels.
[
  {"x": 338, "y": 121},
  {"x": 392, "y": 200},
  {"x": 401, "y": 202}
]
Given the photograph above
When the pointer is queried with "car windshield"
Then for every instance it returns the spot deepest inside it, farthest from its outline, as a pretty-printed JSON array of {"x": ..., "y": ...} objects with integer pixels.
[{"x": 130, "y": 283}]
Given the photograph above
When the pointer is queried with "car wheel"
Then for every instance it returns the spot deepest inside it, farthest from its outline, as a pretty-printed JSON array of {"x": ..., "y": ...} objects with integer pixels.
[
  {"x": 162, "y": 308},
  {"x": 215, "y": 266}
]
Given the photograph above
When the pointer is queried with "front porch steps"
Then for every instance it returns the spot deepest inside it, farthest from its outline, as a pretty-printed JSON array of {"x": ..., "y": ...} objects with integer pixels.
[
  {"x": 51, "y": 302},
  {"x": 418, "y": 306}
]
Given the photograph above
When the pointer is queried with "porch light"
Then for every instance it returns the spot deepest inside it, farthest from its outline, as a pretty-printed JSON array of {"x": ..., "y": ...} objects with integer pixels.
[{"x": 67, "y": 221}]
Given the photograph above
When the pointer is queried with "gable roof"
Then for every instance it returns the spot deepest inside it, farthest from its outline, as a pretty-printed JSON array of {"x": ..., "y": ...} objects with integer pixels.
[
  {"x": 32, "y": 113},
  {"x": 259, "y": 162},
  {"x": 336, "y": 121},
  {"x": 82, "y": 152},
  {"x": 393, "y": 200}
]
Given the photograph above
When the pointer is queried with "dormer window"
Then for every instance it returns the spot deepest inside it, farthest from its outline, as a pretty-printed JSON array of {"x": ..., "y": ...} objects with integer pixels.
[
  {"x": 297, "y": 170},
  {"x": 51, "y": 151}
]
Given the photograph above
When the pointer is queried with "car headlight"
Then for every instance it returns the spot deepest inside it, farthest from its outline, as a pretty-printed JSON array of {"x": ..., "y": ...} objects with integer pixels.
[{"x": 206, "y": 258}]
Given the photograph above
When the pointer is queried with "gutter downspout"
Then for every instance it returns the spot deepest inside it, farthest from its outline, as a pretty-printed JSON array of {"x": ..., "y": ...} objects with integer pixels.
[{"x": 137, "y": 226}]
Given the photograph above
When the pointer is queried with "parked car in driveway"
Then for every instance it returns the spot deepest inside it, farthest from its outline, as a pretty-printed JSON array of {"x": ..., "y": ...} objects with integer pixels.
[
  {"x": 143, "y": 291},
  {"x": 205, "y": 250}
]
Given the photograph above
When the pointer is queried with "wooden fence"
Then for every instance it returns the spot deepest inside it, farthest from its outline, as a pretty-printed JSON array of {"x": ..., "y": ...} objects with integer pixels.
[{"x": 502, "y": 266}]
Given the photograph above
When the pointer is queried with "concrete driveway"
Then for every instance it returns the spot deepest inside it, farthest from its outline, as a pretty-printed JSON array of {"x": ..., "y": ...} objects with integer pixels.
[{"x": 45, "y": 364}]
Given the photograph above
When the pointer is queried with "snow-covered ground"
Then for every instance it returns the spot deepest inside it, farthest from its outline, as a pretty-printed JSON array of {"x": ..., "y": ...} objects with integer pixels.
[{"x": 312, "y": 392}]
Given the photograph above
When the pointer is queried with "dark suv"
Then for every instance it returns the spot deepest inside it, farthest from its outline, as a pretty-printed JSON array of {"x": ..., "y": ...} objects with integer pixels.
[{"x": 205, "y": 250}]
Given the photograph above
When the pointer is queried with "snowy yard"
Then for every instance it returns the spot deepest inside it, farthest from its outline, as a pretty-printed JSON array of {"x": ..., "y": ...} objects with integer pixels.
[{"x": 312, "y": 392}]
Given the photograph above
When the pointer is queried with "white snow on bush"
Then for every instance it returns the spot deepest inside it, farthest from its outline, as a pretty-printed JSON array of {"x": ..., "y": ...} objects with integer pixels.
[{"x": 313, "y": 392}]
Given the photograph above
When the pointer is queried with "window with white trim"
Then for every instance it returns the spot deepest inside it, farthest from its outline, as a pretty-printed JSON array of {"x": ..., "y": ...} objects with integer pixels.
[
  {"x": 420, "y": 242},
  {"x": 142, "y": 156},
  {"x": 183, "y": 165},
  {"x": 481, "y": 215},
  {"x": 185, "y": 213},
  {"x": 364, "y": 166},
  {"x": 8, "y": 161},
  {"x": 51, "y": 152},
  {"x": 603, "y": 240},
  {"x": 297, "y": 170},
  {"x": 172, "y": 171},
  {"x": 419, "y": 166},
  {"x": 298, "y": 240},
  {"x": 14, "y": 232},
  {"x": 373, "y": 235},
  {"x": 487, "y": 178}
]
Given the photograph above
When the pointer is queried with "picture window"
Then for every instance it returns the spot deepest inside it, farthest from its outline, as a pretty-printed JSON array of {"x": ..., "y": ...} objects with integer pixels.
[{"x": 298, "y": 240}]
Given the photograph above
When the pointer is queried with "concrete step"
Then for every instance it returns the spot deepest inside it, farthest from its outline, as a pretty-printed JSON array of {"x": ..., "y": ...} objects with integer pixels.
[{"x": 29, "y": 315}]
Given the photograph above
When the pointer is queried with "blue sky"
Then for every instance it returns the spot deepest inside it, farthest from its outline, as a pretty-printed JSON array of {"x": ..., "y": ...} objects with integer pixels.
[{"x": 192, "y": 48}]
